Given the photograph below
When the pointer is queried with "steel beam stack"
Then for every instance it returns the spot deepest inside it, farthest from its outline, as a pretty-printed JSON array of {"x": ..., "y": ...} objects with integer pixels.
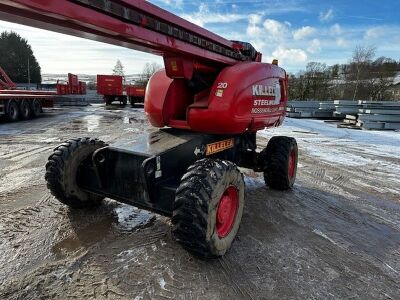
[
  {"x": 383, "y": 115},
  {"x": 310, "y": 109}
]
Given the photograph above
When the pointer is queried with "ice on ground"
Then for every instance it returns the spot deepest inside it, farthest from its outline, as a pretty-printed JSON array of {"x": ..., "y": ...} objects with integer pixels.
[{"x": 130, "y": 217}]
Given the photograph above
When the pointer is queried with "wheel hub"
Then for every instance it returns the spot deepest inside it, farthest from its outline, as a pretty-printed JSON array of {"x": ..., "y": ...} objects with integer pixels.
[
  {"x": 226, "y": 212},
  {"x": 292, "y": 164}
]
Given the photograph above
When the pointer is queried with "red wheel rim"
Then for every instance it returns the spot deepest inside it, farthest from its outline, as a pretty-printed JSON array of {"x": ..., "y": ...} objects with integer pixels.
[
  {"x": 292, "y": 164},
  {"x": 227, "y": 210}
]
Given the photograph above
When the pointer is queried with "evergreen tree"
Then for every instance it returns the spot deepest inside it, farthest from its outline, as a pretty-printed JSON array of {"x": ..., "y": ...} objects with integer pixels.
[{"x": 17, "y": 59}]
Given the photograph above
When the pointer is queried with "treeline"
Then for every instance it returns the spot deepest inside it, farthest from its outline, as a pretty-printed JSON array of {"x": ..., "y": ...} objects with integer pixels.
[{"x": 364, "y": 77}]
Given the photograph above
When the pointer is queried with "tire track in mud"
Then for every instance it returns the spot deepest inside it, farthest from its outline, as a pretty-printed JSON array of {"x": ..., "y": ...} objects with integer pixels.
[
  {"x": 357, "y": 230},
  {"x": 22, "y": 154},
  {"x": 345, "y": 180},
  {"x": 240, "y": 281}
]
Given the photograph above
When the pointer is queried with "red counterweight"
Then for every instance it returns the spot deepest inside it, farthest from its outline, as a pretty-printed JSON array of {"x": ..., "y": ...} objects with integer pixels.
[{"x": 210, "y": 84}]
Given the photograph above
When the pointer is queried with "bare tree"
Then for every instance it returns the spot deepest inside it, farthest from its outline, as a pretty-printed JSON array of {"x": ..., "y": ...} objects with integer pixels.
[
  {"x": 148, "y": 70},
  {"x": 362, "y": 57},
  {"x": 119, "y": 69},
  {"x": 382, "y": 72}
]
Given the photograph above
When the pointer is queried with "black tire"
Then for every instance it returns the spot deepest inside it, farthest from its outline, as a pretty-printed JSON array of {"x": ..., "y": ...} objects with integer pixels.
[
  {"x": 62, "y": 168},
  {"x": 276, "y": 159},
  {"x": 25, "y": 110},
  {"x": 13, "y": 111},
  {"x": 108, "y": 100},
  {"x": 196, "y": 205},
  {"x": 36, "y": 108}
]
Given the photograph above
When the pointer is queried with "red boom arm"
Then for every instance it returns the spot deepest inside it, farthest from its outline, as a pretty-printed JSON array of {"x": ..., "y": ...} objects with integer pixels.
[
  {"x": 5, "y": 81},
  {"x": 133, "y": 24}
]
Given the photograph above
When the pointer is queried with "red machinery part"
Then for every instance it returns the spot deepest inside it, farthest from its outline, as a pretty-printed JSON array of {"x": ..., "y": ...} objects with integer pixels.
[
  {"x": 82, "y": 88},
  {"x": 133, "y": 24},
  {"x": 135, "y": 91},
  {"x": 227, "y": 210},
  {"x": 73, "y": 83},
  {"x": 110, "y": 85},
  {"x": 244, "y": 97},
  {"x": 5, "y": 80}
]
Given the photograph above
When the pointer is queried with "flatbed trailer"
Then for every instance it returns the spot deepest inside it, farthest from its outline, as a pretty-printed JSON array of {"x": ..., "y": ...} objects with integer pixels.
[{"x": 23, "y": 105}]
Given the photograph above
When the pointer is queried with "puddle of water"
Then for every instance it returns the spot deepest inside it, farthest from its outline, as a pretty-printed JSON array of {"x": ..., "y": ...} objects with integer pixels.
[
  {"x": 124, "y": 218},
  {"x": 92, "y": 122}
]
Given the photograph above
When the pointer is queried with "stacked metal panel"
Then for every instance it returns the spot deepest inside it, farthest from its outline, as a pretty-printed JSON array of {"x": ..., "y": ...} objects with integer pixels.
[
  {"x": 346, "y": 107},
  {"x": 310, "y": 109},
  {"x": 383, "y": 115}
]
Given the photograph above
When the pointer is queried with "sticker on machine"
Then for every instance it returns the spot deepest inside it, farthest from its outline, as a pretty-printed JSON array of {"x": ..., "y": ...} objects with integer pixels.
[
  {"x": 265, "y": 110},
  {"x": 219, "y": 146}
]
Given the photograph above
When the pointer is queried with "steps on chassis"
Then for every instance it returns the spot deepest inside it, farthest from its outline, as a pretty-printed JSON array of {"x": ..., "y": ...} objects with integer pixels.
[{"x": 192, "y": 178}]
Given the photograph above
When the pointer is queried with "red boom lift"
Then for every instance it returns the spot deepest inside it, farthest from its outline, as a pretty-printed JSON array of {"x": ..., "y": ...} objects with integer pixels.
[{"x": 210, "y": 100}]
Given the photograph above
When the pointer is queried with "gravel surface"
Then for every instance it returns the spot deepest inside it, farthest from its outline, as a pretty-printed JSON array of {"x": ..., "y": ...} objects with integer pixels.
[{"x": 336, "y": 235}]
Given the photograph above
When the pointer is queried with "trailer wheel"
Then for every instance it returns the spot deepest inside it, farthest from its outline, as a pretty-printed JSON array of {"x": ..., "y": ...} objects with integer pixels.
[
  {"x": 13, "y": 111},
  {"x": 123, "y": 101},
  {"x": 279, "y": 160},
  {"x": 25, "y": 110},
  {"x": 62, "y": 168},
  {"x": 36, "y": 108},
  {"x": 208, "y": 207},
  {"x": 108, "y": 100}
]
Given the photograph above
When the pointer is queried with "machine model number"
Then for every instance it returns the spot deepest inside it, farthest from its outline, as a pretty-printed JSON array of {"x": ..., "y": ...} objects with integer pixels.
[
  {"x": 219, "y": 146},
  {"x": 221, "y": 86}
]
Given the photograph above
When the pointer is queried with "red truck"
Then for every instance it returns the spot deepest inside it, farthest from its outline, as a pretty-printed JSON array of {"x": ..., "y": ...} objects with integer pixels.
[{"x": 113, "y": 89}]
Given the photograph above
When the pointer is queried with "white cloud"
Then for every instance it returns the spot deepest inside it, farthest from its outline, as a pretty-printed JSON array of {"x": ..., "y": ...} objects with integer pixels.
[
  {"x": 303, "y": 32},
  {"x": 275, "y": 28},
  {"x": 336, "y": 29},
  {"x": 326, "y": 16},
  {"x": 205, "y": 16},
  {"x": 341, "y": 42},
  {"x": 253, "y": 30},
  {"x": 290, "y": 55},
  {"x": 173, "y": 3},
  {"x": 374, "y": 33},
  {"x": 315, "y": 46}
]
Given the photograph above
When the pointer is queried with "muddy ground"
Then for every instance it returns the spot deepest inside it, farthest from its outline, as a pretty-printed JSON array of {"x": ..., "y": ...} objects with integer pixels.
[{"x": 336, "y": 235}]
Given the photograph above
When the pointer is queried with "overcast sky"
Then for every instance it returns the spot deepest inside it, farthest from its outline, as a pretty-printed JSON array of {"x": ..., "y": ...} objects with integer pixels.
[{"x": 293, "y": 31}]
